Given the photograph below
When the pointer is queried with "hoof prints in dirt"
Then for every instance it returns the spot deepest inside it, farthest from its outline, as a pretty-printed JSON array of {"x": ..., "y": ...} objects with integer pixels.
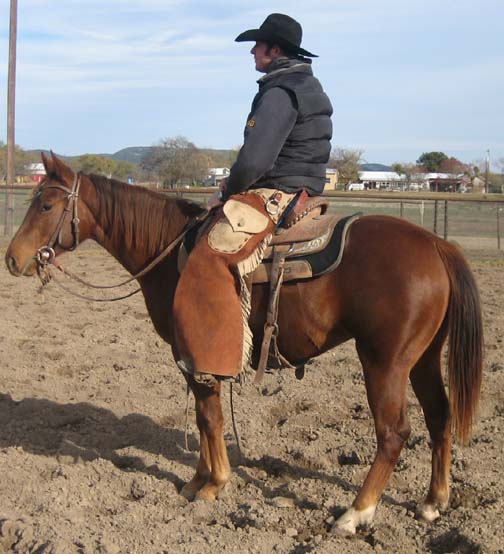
[{"x": 17, "y": 536}]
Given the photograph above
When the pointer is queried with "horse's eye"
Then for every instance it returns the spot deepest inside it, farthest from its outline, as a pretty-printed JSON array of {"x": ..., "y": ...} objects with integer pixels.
[{"x": 46, "y": 207}]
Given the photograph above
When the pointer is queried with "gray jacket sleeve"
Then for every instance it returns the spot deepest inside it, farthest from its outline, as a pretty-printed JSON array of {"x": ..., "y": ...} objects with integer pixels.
[{"x": 265, "y": 134}]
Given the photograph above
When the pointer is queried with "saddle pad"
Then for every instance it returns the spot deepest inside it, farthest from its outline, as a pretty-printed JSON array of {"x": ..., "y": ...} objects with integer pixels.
[{"x": 312, "y": 265}]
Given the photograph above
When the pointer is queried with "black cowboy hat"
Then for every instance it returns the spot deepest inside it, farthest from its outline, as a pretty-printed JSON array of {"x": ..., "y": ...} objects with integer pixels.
[{"x": 279, "y": 29}]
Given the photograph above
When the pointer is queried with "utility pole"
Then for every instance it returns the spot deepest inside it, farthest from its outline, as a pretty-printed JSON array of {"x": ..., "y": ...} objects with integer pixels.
[
  {"x": 487, "y": 170},
  {"x": 11, "y": 100}
]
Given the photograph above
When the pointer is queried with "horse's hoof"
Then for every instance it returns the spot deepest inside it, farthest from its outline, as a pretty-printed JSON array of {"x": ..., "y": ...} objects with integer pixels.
[
  {"x": 207, "y": 495},
  {"x": 428, "y": 512},
  {"x": 188, "y": 492},
  {"x": 347, "y": 524},
  {"x": 345, "y": 531}
]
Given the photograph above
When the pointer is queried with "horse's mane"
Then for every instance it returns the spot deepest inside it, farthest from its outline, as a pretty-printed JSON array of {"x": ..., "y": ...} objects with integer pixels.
[{"x": 139, "y": 217}]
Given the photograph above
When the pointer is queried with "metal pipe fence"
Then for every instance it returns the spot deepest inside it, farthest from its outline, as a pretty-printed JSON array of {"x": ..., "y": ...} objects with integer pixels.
[{"x": 472, "y": 222}]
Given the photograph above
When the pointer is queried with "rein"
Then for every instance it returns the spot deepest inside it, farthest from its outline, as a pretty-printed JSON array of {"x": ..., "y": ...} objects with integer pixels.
[{"x": 46, "y": 255}]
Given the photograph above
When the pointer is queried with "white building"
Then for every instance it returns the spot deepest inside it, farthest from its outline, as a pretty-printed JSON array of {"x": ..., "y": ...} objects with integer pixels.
[
  {"x": 35, "y": 171},
  {"x": 382, "y": 180},
  {"x": 215, "y": 175}
]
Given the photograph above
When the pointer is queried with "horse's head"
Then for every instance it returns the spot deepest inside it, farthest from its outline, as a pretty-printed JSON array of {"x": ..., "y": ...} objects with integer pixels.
[{"x": 51, "y": 222}]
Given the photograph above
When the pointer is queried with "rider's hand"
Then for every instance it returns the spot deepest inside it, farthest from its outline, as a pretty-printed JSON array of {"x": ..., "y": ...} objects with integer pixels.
[{"x": 215, "y": 200}]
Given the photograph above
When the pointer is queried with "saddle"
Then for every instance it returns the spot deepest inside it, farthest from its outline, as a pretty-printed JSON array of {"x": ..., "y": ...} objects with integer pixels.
[
  {"x": 311, "y": 246},
  {"x": 311, "y": 240},
  {"x": 308, "y": 243}
]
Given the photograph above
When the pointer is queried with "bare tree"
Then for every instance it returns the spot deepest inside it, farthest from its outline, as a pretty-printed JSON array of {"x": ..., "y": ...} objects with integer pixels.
[
  {"x": 176, "y": 161},
  {"x": 347, "y": 162},
  {"x": 411, "y": 172}
]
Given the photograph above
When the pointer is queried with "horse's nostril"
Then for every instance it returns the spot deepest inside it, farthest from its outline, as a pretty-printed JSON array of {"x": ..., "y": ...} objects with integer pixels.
[{"x": 12, "y": 265}]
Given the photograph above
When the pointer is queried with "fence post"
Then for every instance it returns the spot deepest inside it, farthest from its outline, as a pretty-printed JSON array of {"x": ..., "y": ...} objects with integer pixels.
[
  {"x": 445, "y": 236},
  {"x": 422, "y": 211},
  {"x": 435, "y": 216},
  {"x": 498, "y": 227},
  {"x": 401, "y": 209}
]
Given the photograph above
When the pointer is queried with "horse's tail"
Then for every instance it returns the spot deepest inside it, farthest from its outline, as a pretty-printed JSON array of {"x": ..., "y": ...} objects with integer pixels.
[{"x": 465, "y": 348}]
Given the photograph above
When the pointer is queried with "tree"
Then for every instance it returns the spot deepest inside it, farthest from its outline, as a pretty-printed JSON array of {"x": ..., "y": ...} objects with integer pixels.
[
  {"x": 176, "y": 160},
  {"x": 347, "y": 162},
  {"x": 495, "y": 183},
  {"x": 432, "y": 161},
  {"x": 409, "y": 170},
  {"x": 21, "y": 160},
  {"x": 124, "y": 170},
  {"x": 91, "y": 163},
  {"x": 222, "y": 158},
  {"x": 454, "y": 166}
]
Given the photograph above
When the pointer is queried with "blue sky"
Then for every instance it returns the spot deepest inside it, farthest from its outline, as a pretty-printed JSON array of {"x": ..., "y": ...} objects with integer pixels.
[{"x": 404, "y": 76}]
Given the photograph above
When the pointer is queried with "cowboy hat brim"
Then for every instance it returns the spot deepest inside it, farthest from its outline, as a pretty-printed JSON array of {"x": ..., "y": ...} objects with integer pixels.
[{"x": 253, "y": 35}]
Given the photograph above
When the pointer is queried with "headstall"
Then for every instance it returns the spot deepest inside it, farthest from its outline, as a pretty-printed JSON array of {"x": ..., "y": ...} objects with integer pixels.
[{"x": 46, "y": 255}]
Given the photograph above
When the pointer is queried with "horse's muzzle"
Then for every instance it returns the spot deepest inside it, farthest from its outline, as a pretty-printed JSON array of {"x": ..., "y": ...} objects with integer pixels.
[
  {"x": 12, "y": 266},
  {"x": 15, "y": 269}
]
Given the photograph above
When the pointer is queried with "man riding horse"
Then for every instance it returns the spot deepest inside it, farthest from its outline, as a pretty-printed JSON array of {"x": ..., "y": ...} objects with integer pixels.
[{"x": 285, "y": 152}]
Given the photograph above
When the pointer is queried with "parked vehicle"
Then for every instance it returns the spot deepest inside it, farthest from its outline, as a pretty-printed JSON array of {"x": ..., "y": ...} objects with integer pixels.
[{"x": 356, "y": 186}]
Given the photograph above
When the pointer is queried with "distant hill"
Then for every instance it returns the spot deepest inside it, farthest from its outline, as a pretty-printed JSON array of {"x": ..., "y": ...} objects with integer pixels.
[
  {"x": 220, "y": 158},
  {"x": 36, "y": 153},
  {"x": 135, "y": 154},
  {"x": 132, "y": 154},
  {"x": 375, "y": 167}
]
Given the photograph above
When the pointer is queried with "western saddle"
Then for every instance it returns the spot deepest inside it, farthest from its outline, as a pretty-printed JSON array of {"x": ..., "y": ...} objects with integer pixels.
[{"x": 307, "y": 230}]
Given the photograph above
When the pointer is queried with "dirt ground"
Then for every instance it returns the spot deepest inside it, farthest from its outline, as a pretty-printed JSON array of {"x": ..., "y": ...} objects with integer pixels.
[{"x": 92, "y": 455}]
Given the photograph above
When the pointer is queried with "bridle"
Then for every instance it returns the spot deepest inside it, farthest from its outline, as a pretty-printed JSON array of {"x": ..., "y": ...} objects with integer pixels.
[{"x": 46, "y": 254}]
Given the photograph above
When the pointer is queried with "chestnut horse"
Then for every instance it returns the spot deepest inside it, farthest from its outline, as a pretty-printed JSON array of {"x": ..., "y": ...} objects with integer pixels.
[{"x": 399, "y": 292}]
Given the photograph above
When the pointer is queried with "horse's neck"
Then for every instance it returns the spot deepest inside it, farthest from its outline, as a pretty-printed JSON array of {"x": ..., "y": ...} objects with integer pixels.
[{"x": 130, "y": 223}]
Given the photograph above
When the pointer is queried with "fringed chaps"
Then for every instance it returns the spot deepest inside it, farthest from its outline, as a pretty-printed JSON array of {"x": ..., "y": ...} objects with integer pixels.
[{"x": 212, "y": 301}]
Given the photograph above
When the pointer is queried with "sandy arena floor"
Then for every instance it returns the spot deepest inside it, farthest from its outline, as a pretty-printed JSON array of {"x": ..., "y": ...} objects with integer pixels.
[{"x": 92, "y": 441}]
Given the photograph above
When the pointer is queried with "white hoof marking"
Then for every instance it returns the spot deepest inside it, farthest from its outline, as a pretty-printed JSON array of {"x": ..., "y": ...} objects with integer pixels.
[
  {"x": 428, "y": 512},
  {"x": 352, "y": 518}
]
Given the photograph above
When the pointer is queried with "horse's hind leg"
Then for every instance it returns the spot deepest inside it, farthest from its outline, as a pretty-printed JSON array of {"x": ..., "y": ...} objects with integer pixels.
[
  {"x": 386, "y": 390},
  {"x": 213, "y": 471},
  {"x": 428, "y": 385}
]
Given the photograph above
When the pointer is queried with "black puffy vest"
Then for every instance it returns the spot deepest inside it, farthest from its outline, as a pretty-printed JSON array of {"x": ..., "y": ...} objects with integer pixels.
[{"x": 303, "y": 159}]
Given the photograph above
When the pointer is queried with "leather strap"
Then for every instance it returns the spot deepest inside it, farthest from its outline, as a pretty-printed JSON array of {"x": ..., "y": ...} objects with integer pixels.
[{"x": 271, "y": 326}]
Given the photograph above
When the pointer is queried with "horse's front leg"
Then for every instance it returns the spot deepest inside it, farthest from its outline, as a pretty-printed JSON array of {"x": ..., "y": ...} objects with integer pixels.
[
  {"x": 203, "y": 469},
  {"x": 213, "y": 471}
]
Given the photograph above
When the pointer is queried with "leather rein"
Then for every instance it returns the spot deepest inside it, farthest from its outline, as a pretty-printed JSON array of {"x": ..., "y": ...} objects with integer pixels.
[{"x": 46, "y": 255}]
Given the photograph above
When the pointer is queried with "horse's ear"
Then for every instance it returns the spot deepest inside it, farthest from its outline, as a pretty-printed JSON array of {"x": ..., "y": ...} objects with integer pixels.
[
  {"x": 62, "y": 171},
  {"x": 48, "y": 164}
]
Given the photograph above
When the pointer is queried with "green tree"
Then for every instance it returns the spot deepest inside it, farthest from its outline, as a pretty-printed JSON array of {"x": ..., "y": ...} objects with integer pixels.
[
  {"x": 21, "y": 160},
  {"x": 347, "y": 162},
  {"x": 91, "y": 163},
  {"x": 124, "y": 170},
  {"x": 432, "y": 161}
]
